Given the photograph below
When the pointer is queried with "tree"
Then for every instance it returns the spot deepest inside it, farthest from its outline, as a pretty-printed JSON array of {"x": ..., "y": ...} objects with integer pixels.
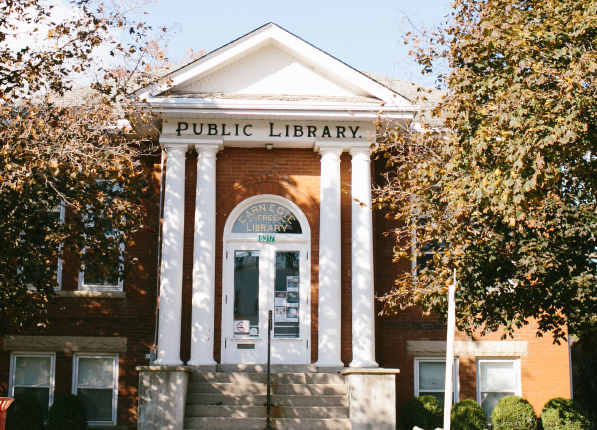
[
  {"x": 504, "y": 191},
  {"x": 70, "y": 149}
]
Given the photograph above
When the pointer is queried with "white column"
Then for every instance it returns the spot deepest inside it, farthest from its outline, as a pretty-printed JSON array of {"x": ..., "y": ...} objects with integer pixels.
[
  {"x": 172, "y": 253},
  {"x": 204, "y": 259},
  {"x": 330, "y": 303},
  {"x": 363, "y": 295}
]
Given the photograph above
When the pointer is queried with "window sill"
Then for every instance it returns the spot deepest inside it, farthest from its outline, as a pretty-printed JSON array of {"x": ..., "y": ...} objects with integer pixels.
[{"x": 93, "y": 294}]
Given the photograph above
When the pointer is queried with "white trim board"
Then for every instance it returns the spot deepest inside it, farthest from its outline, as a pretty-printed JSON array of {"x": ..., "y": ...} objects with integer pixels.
[{"x": 486, "y": 348}]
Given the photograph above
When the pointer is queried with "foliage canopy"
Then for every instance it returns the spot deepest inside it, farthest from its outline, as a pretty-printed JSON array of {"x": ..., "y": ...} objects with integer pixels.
[
  {"x": 504, "y": 191},
  {"x": 70, "y": 144}
]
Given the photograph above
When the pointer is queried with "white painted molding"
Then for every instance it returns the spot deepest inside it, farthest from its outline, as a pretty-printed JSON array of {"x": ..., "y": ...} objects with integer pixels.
[
  {"x": 65, "y": 343},
  {"x": 486, "y": 348}
]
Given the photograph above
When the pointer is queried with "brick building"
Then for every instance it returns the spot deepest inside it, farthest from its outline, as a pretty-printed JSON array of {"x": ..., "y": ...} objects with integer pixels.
[{"x": 266, "y": 149}]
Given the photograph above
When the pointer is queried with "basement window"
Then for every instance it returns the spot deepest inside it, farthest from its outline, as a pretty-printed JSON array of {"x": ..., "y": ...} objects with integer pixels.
[
  {"x": 95, "y": 382},
  {"x": 33, "y": 373},
  {"x": 497, "y": 378},
  {"x": 430, "y": 378}
]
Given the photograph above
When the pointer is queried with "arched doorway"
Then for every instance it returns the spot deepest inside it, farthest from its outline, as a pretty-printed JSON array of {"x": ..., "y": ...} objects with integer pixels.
[{"x": 266, "y": 266}]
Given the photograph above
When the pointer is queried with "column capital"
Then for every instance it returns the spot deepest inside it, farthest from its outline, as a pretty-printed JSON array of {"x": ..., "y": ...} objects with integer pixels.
[
  {"x": 207, "y": 150},
  {"x": 175, "y": 149},
  {"x": 331, "y": 152},
  {"x": 360, "y": 150}
]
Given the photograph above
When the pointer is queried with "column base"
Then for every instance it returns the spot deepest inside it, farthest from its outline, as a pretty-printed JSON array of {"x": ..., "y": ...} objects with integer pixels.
[
  {"x": 200, "y": 362},
  {"x": 168, "y": 362},
  {"x": 329, "y": 363},
  {"x": 364, "y": 364}
]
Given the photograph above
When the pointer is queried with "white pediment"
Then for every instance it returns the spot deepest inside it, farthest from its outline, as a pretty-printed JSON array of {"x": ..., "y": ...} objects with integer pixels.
[
  {"x": 270, "y": 61},
  {"x": 273, "y": 71}
]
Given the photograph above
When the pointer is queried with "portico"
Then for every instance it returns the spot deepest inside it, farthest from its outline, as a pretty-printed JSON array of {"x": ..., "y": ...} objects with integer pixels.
[{"x": 204, "y": 256}]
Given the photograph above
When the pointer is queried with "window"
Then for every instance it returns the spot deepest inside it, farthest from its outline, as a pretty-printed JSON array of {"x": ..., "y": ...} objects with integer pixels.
[
  {"x": 34, "y": 271},
  {"x": 497, "y": 378},
  {"x": 91, "y": 280},
  {"x": 423, "y": 254},
  {"x": 95, "y": 382},
  {"x": 93, "y": 277},
  {"x": 33, "y": 373},
  {"x": 430, "y": 378}
]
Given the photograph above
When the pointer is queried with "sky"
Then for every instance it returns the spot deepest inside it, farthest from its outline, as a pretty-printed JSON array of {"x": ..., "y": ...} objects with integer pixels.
[{"x": 365, "y": 34}]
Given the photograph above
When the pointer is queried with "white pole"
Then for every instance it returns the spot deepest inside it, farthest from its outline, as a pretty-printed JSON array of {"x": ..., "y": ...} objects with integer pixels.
[{"x": 450, "y": 354}]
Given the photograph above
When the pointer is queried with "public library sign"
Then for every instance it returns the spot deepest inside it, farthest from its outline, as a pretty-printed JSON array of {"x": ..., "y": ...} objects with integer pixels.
[{"x": 269, "y": 131}]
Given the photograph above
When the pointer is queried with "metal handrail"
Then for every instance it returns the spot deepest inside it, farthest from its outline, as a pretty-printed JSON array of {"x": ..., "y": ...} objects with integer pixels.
[{"x": 269, "y": 381}]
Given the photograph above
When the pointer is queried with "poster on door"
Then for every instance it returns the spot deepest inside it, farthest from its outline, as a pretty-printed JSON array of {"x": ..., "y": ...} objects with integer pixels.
[
  {"x": 292, "y": 283},
  {"x": 292, "y": 314},
  {"x": 280, "y": 314},
  {"x": 280, "y": 299}
]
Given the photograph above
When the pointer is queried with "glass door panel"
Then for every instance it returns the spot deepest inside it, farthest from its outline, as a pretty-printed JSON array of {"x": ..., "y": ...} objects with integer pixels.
[
  {"x": 286, "y": 294},
  {"x": 246, "y": 294}
]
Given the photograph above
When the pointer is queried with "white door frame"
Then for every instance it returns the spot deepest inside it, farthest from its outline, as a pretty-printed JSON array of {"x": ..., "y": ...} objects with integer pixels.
[{"x": 284, "y": 351}]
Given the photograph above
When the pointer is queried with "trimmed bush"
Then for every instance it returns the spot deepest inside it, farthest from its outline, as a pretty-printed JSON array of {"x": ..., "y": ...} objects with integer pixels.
[
  {"x": 67, "y": 413},
  {"x": 513, "y": 413},
  {"x": 468, "y": 415},
  {"x": 25, "y": 413},
  {"x": 424, "y": 412},
  {"x": 563, "y": 414}
]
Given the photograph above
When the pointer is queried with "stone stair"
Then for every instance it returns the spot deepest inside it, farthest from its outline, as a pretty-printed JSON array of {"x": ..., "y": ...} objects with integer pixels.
[{"x": 300, "y": 401}]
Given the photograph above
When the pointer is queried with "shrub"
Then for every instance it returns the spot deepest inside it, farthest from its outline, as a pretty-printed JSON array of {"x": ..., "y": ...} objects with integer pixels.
[
  {"x": 25, "y": 413},
  {"x": 513, "y": 413},
  {"x": 67, "y": 413},
  {"x": 468, "y": 415},
  {"x": 423, "y": 411},
  {"x": 563, "y": 414}
]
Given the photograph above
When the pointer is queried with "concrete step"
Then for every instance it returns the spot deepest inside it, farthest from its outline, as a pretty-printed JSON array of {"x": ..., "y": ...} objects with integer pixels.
[
  {"x": 259, "y": 423},
  {"x": 261, "y": 411},
  {"x": 262, "y": 368},
  {"x": 259, "y": 400},
  {"x": 193, "y": 423},
  {"x": 311, "y": 424},
  {"x": 258, "y": 388},
  {"x": 277, "y": 378}
]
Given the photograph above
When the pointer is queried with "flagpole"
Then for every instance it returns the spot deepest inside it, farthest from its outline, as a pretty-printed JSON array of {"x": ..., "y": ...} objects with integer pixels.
[{"x": 450, "y": 354}]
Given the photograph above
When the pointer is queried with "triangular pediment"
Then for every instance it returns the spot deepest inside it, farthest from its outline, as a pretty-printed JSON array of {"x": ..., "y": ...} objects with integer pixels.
[
  {"x": 270, "y": 70},
  {"x": 271, "y": 62}
]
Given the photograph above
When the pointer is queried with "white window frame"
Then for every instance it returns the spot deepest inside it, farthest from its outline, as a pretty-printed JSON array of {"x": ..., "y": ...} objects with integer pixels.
[
  {"x": 76, "y": 357},
  {"x": 515, "y": 360},
  {"x": 59, "y": 270},
  {"x": 81, "y": 279},
  {"x": 59, "y": 265},
  {"x": 13, "y": 368},
  {"x": 83, "y": 287},
  {"x": 455, "y": 375}
]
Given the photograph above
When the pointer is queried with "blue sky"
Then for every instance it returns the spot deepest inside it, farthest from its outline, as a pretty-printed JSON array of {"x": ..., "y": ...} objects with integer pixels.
[{"x": 363, "y": 33}]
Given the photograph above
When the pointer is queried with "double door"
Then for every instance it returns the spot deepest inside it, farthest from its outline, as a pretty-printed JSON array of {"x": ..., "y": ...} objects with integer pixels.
[{"x": 258, "y": 278}]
